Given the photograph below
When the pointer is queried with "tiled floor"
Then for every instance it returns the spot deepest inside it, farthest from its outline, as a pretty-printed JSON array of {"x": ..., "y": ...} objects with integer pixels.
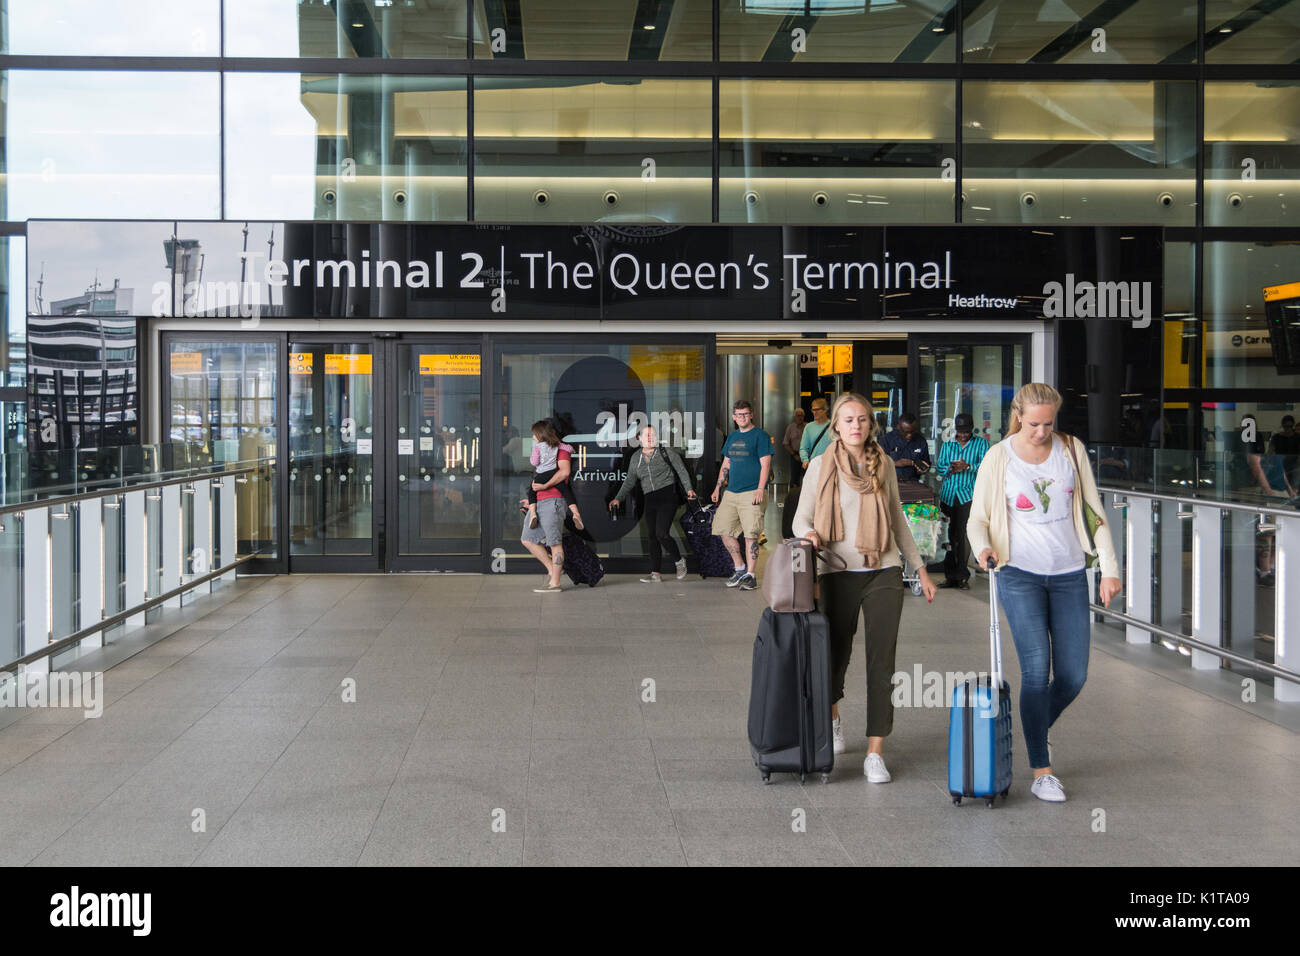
[{"x": 492, "y": 725}]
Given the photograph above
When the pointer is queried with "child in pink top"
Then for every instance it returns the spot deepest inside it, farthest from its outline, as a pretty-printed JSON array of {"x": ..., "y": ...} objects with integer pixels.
[{"x": 545, "y": 459}]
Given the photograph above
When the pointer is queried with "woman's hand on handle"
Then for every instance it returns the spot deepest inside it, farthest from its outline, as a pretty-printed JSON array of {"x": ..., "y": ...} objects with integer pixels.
[
  {"x": 983, "y": 559},
  {"x": 615, "y": 505},
  {"x": 1109, "y": 588},
  {"x": 816, "y": 540}
]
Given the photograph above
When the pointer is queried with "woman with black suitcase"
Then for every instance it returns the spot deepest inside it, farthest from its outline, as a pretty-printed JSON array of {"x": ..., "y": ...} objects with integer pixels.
[
  {"x": 850, "y": 504},
  {"x": 657, "y": 469},
  {"x": 1036, "y": 512}
]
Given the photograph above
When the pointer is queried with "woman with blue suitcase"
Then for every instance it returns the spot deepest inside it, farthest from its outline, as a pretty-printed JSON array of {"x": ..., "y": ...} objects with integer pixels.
[{"x": 1036, "y": 512}]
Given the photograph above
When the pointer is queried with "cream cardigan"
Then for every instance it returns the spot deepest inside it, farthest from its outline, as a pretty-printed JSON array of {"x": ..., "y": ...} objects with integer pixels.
[
  {"x": 900, "y": 536},
  {"x": 989, "y": 526}
]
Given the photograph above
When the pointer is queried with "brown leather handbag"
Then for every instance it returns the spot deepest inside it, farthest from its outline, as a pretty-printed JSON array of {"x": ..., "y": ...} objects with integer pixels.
[{"x": 790, "y": 576}]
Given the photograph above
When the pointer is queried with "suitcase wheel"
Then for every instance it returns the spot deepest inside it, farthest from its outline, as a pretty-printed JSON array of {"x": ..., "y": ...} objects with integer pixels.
[
  {"x": 767, "y": 777},
  {"x": 992, "y": 800},
  {"x": 826, "y": 778},
  {"x": 1006, "y": 791},
  {"x": 803, "y": 778},
  {"x": 916, "y": 588},
  {"x": 956, "y": 799}
]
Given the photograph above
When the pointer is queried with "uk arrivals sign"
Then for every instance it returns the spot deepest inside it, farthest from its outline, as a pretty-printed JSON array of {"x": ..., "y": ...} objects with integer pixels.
[{"x": 260, "y": 270}]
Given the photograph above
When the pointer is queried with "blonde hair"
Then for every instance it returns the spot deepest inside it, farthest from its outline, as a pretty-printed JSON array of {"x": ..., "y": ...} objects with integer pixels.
[
  {"x": 874, "y": 451},
  {"x": 1032, "y": 393}
]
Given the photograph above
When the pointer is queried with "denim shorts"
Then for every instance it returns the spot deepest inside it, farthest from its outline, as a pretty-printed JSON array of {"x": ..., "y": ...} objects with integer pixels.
[{"x": 550, "y": 531}]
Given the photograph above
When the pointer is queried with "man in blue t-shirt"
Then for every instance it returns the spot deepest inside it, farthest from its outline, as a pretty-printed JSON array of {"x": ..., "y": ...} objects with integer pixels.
[{"x": 746, "y": 464}]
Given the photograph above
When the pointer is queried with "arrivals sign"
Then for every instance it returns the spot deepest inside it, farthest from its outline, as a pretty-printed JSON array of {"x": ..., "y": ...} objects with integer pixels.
[{"x": 609, "y": 271}]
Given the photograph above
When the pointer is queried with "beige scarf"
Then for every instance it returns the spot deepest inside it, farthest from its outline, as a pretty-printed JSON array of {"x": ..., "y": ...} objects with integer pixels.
[{"x": 873, "y": 512}]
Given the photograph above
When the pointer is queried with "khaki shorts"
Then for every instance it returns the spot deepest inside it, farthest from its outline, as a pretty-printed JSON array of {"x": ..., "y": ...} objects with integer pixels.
[{"x": 737, "y": 513}]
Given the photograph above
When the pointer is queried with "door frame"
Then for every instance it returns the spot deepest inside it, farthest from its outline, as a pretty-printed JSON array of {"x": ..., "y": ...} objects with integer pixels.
[
  {"x": 392, "y": 559},
  {"x": 916, "y": 340},
  {"x": 338, "y": 563}
]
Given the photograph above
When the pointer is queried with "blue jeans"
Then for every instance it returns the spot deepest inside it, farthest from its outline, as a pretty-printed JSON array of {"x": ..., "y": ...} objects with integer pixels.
[{"x": 1048, "y": 614}]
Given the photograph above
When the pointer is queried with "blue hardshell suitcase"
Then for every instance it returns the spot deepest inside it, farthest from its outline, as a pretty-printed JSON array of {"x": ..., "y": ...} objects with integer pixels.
[{"x": 979, "y": 725}]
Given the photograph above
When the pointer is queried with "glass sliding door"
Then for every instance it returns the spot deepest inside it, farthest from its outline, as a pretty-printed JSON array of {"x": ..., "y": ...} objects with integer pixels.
[
  {"x": 437, "y": 476},
  {"x": 332, "y": 447}
]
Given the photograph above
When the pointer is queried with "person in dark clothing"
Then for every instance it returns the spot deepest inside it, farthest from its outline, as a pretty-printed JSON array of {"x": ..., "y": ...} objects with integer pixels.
[
  {"x": 908, "y": 448},
  {"x": 657, "y": 469},
  {"x": 1287, "y": 444}
]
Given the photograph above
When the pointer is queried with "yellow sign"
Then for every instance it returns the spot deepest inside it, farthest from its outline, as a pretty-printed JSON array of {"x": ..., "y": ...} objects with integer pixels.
[
  {"x": 187, "y": 363},
  {"x": 343, "y": 364},
  {"x": 300, "y": 363},
  {"x": 834, "y": 359},
  {"x": 1290, "y": 290},
  {"x": 459, "y": 364},
  {"x": 843, "y": 358}
]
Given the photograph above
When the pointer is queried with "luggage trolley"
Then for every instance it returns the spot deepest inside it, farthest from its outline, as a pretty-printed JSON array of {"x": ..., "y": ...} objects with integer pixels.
[{"x": 929, "y": 527}]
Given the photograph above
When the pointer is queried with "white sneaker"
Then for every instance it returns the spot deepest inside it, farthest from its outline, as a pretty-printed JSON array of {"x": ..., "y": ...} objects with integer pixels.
[
  {"x": 875, "y": 770},
  {"x": 681, "y": 569},
  {"x": 653, "y": 578},
  {"x": 837, "y": 735},
  {"x": 1048, "y": 788}
]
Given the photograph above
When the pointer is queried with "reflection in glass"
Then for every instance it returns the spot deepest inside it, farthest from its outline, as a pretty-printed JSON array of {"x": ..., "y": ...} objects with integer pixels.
[
  {"x": 82, "y": 144},
  {"x": 331, "y": 435},
  {"x": 111, "y": 28},
  {"x": 979, "y": 380},
  {"x": 595, "y": 395},
  {"x": 835, "y": 150},
  {"x": 593, "y": 30},
  {"x": 222, "y": 398},
  {"x": 439, "y": 470},
  {"x": 853, "y": 31},
  {"x": 83, "y": 379},
  {"x": 1082, "y": 153},
  {"x": 1246, "y": 31},
  {"x": 1237, "y": 349},
  {"x": 357, "y": 28},
  {"x": 1079, "y": 31},
  {"x": 345, "y": 146},
  {"x": 562, "y": 149},
  {"x": 1252, "y": 141}
]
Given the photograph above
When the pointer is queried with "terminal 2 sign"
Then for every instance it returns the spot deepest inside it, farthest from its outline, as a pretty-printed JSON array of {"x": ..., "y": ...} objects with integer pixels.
[{"x": 604, "y": 271}]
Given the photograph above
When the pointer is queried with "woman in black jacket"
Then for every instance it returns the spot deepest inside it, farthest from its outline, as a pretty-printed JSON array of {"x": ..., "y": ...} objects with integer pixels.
[{"x": 657, "y": 469}]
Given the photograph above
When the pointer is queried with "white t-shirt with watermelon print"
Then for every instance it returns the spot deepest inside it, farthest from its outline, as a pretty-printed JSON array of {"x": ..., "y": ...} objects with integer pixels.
[{"x": 1040, "y": 506}]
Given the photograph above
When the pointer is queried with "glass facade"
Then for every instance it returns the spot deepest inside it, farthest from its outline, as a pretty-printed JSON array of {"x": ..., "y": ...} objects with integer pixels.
[
  {"x": 791, "y": 112},
  {"x": 597, "y": 395}
]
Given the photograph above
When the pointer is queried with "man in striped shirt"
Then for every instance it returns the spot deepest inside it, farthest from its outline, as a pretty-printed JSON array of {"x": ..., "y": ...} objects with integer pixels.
[{"x": 958, "y": 462}]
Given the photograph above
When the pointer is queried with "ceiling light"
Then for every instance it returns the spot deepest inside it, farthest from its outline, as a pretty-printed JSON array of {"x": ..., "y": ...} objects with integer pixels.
[
  {"x": 358, "y": 25},
  {"x": 648, "y": 26},
  {"x": 1225, "y": 29},
  {"x": 936, "y": 29}
]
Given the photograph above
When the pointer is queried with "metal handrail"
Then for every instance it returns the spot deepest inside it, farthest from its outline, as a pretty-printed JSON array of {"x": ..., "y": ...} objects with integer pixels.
[
  {"x": 1203, "y": 502},
  {"x": 1273, "y": 669},
  {"x": 122, "y": 490},
  {"x": 64, "y": 642}
]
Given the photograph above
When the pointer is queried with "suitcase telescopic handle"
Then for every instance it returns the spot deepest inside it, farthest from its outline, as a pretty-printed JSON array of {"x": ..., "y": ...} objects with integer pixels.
[{"x": 995, "y": 628}]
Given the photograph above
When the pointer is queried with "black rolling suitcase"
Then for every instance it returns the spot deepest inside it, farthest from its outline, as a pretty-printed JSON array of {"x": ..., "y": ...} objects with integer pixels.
[
  {"x": 790, "y": 696},
  {"x": 580, "y": 562},
  {"x": 712, "y": 559}
]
